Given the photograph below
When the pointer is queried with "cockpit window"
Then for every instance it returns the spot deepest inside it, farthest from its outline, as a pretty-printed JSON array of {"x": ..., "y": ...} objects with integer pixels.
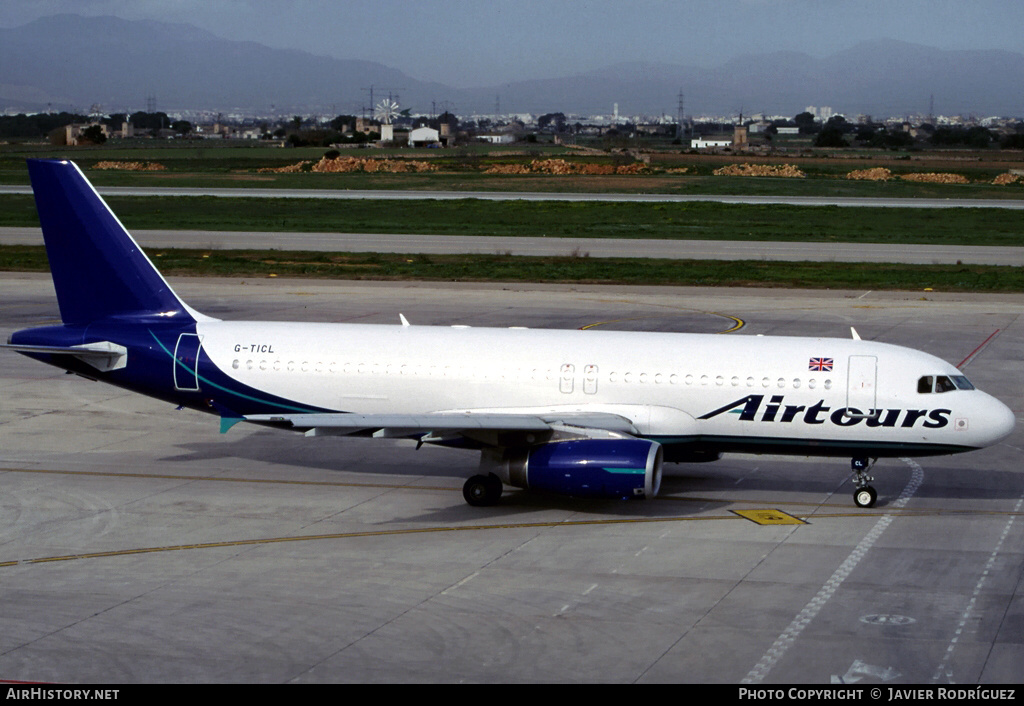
[
  {"x": 961, "y": 382},
  {"x": 943, "y": 383}
]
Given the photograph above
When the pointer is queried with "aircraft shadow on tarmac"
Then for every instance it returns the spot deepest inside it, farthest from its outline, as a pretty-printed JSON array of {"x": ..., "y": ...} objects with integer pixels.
[{"x": 725, "y": 482}]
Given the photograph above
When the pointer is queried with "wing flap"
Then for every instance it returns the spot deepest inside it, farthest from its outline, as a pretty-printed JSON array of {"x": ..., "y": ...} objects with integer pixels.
[{"x": 442, "y": 424}]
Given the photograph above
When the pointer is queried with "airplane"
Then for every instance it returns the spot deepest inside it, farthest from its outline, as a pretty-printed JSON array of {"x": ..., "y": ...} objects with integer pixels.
[{"x": 579, "y": 412}]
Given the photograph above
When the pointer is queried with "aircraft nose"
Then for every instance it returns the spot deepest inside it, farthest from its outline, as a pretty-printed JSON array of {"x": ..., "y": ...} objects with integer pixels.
[{"x": 1000, "y": 422}]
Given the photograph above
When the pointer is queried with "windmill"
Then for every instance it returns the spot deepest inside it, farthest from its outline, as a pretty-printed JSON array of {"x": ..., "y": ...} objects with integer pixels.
[{"x": 386, "y": 111}]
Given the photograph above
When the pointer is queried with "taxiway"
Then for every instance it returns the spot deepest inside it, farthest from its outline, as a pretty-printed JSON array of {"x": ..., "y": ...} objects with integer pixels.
[
  {"x": 403, "y": 195},
  {"x": 561, "y": 247},
  {"x": 139, "y": 545}
]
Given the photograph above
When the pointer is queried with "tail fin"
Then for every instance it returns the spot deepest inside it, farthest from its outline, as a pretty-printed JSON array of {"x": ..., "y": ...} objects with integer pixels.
[{"x": 98, "y": 269}]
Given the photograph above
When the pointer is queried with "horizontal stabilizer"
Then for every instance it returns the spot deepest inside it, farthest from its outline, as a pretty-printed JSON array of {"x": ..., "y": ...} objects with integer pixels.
[{"x": 104, "y": 356}]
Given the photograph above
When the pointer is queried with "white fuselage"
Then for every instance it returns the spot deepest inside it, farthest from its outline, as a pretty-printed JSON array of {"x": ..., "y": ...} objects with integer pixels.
[{"x": 743, "y": 386}]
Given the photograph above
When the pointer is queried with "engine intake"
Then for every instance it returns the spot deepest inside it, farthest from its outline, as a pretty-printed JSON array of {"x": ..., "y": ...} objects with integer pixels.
[{"x": 602, "y": 468}]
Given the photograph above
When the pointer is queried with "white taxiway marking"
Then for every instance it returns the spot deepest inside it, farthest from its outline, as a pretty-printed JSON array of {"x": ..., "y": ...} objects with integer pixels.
[
  {"x": 805, "y": 616},
  {"x": 942, "y": 670}
]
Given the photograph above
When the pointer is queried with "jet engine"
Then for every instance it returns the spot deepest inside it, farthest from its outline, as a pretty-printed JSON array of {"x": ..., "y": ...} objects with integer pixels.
[{"x": 601, "y": 468}]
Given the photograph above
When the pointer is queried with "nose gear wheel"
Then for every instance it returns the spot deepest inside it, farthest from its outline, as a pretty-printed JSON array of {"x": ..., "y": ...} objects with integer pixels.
[{"x": 864, "y": 494}]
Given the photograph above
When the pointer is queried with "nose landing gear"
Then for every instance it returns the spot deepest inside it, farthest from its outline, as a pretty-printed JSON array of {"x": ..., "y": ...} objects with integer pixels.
[{"x": 863, "y": 495}]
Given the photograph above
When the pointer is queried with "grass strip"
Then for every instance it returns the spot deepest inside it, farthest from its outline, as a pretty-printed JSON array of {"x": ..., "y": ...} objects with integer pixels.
[
  {"x": 671, "y": 221},
  {"x": 512, "y": 268}
]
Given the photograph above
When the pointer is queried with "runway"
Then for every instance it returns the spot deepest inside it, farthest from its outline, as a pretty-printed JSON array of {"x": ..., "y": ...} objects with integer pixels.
[
  {"x": 139, "y": 545},
  {"x": 405, "y": 195},
  {"x": 560, "y": 247}
]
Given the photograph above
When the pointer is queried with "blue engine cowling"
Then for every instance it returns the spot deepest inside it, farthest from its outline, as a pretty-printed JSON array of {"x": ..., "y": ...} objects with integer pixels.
[{"x": 605, "y": 468}]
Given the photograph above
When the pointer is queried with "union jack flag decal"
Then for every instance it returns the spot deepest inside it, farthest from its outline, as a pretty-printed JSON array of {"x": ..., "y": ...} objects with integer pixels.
[{"x": 823, "y": 365}]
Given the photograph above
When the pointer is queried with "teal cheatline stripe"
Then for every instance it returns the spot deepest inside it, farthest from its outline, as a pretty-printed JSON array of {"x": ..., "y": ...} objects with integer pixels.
[
  {"x": 228, "y": 390},
  {"x": 625, "y": 470}
]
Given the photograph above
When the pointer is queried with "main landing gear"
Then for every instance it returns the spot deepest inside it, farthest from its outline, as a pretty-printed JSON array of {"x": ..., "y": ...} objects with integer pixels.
[
  {"x": 863, "y": 495},
  {"x": 482, "y": 491}
]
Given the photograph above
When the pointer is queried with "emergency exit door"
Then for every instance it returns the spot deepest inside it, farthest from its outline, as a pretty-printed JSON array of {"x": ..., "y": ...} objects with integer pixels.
[{"x": 862, "y": 383}]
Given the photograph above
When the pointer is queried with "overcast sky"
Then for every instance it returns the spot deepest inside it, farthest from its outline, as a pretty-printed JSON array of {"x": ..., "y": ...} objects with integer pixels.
[{"x": 469, "y": 43}]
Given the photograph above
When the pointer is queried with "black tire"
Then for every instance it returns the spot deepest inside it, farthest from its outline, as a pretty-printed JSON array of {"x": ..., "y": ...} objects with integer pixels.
[
  {"x": 865, "y": 497},
  {"x": 482, "y": 491}
]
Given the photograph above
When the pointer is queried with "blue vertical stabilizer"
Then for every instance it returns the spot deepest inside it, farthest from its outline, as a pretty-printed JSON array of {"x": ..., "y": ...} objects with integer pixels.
[{"x": 98, "y": 269}]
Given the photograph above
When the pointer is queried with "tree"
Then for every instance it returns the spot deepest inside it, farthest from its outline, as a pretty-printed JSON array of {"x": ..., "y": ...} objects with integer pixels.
[
  {"x": 557, "y": 119},
  {"x": 94, "y": 134},
  {"x": 450, "y": 119},
  {"x": 149, "y": 121},
  {"x": 805, "y": 121},
  {"x": 838, "y": 122},
  {"x": 37, "y": 125},
  {"x": 891, "y": 140},
  {"x": 116, "y": 120},
  {"x": 343, "y": 123},
  {"x": 1013, "y": 142},
  {"x": 865, "y": 133},
  {"x": 831, "y": 136},
  {"x": 977, "y": 137}
]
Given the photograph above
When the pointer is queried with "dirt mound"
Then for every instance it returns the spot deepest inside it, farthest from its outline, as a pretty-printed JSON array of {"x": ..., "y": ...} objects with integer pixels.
[
  {"x": 874, "y": 174},
  {"x": 936, "y": 178},
  {"x": 561, "y": 166},
  {"x": 357, "y": 164},
  {"x": 1008, "y": 178},
  {"x": 760, "y": 170},
  {"x": 508, "y": 169},
  {"x": 291, "y": 168},
  {"x": 131, "y": 166}
]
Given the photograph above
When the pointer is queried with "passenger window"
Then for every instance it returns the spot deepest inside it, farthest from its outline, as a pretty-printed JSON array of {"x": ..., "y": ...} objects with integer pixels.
[
  {"x": 924, "y": 385},
  {"x": 944, "y": 384}
]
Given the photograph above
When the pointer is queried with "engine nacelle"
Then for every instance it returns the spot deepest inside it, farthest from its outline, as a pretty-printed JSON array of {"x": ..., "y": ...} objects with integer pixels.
[{"x": 604, "y": 468}]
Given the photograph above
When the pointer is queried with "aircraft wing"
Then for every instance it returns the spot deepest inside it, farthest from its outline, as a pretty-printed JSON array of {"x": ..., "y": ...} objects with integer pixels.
[{"x": 483, "y": 427}]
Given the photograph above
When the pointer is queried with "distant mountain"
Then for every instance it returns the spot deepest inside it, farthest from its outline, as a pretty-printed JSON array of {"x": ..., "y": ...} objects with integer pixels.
[
  {"x": 68, "y": 61},
  {"x": 881, "y": 78}
]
